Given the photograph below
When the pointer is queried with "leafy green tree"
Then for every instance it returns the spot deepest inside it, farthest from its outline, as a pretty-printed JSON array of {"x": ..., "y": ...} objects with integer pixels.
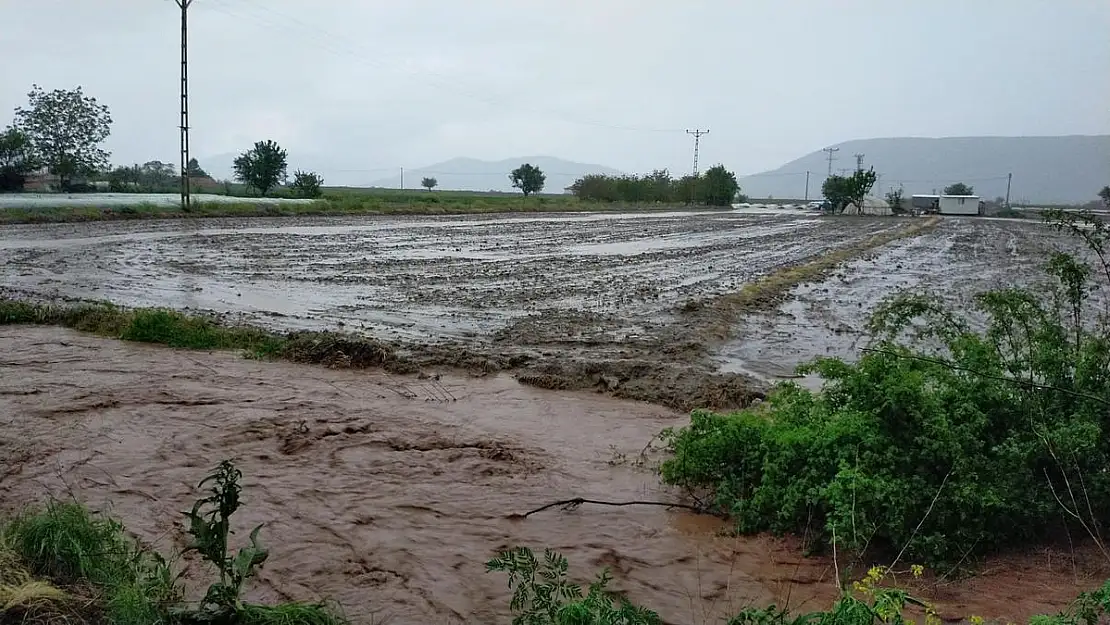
[
  {"x": 150, "y": 177},
  {"x": 842, "y": 191},
  {"x": 15, "y": 159},
  {"x": 65, "y": 129},
  {"x": 894, "y": 198},
  {"x": 718, "y": 186},
  {"x": 429, "y": 183},
  {"x": 528, "y": 178},
  {"x": 1105, "y": 195},
  {"x": 123, "y": 179},
  {"x": 307, "y": 184},
  {"x": 262, "y": 167},
  {"x": 959, "y": 188},
  {"x": 194, "y": 170}
]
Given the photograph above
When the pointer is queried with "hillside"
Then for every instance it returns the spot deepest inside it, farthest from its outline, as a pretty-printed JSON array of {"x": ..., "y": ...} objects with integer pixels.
[
  {"x": 1049, "y": 170},
  {"x": 468, "y": 174}
]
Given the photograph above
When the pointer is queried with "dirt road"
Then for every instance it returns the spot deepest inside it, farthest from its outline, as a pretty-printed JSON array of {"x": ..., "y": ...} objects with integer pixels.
[{"x": 388, "y": 495}]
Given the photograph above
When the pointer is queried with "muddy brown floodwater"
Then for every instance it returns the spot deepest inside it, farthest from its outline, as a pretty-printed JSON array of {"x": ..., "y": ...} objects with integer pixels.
[{"x": 388, "y": 493}]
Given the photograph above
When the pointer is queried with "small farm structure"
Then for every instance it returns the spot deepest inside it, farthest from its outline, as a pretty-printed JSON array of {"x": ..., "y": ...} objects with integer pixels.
[
  {"x": 925, "y": 203},
  {"x": 960, "y": 205}
]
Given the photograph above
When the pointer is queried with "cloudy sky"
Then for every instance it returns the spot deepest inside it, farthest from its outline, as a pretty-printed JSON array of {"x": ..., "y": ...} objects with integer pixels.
[{"x": 370, "y": 85}]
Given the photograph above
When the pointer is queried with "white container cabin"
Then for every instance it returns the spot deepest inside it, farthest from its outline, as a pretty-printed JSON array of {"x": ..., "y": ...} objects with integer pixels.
[{"x": 960, "y": 205}]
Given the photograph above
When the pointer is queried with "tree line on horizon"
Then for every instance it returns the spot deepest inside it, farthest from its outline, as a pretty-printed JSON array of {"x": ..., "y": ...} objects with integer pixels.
[
  {"x": 62, "y": 131},
  {"x": 716, "y": 186}
]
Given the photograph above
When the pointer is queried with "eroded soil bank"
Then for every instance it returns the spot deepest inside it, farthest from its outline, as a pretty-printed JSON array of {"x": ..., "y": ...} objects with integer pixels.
[{"x": 388, "y": 493}]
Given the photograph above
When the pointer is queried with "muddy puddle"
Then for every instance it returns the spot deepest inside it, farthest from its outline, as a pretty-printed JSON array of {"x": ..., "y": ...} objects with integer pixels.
[
  {"x": 389, "y": 493},
  {"x": 957, "y": 260}
]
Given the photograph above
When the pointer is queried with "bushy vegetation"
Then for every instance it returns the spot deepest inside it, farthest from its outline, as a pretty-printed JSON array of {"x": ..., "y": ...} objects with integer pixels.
[
  {"x": 262, "y": 167},
  {"x": 959, "y": 188},
  {"x": 542, "y": 595},
  {"x": 307, "y": 184},
  {"x": 715, "y": 187},
  {"x": 952, "y": 436},
  {"x": 844, "y": 191},
  {"x": 528, "y": 178},
  {"x": 66, "y": 564}
]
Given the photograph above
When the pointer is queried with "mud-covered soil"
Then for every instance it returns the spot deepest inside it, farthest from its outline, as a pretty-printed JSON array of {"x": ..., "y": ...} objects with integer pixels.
[
  {"x": 957, "y": 260},
  {"x": 571, "y": 301},
  {"x": 597, "y": 277},
  {"x": 388, "y": 493}
]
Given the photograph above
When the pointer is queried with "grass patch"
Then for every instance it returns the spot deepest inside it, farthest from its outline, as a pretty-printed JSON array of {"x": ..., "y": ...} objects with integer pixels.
[
  {"x": 336, "y": 202},
  {"x": 179, "y": 330},
  {"x": 104, "y": 574},
  {"x": 65, "y": 564}
]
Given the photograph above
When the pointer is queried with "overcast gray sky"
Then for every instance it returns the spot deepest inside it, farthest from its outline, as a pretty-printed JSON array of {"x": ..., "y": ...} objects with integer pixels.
[{"x": 377, "y": 85}]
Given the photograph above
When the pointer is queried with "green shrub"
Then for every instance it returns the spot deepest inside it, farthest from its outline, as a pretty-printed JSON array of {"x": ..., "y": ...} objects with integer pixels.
[
  {"x": 542, "y": 595},
  {"x": 942, "y": 440}
]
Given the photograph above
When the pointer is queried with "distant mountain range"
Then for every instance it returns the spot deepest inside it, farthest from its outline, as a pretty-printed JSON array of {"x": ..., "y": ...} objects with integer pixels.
[
  {"x": 468, "y": 174},
  {"x": 1048, "y": 170}
]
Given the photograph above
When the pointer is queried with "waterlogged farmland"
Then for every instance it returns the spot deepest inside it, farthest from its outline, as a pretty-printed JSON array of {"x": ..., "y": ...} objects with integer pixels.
[
  {"x": 388, "y": 491},
  {"x": 531, "y": 278},
  {"x": 582, "y": 285}
]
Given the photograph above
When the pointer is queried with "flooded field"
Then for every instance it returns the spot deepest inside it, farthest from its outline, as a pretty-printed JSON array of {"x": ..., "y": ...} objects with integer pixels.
[
  {"x": 421, "y": 279},
  {"x": 961, "y": 258},
  {"x": 576, "y": 300},
  {"x": 569, "y": 301},
  {"x": 388, "y": 494}
]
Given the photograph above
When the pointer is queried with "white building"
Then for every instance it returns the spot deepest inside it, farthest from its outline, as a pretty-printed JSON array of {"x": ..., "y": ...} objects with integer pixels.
[{"x": 960, "y": 205}]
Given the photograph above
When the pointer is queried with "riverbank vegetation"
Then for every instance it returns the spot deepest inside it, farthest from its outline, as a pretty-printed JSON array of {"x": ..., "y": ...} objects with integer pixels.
[
  {"x": 180, "y": 330},
  {"x": 955, "y": 435}
]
